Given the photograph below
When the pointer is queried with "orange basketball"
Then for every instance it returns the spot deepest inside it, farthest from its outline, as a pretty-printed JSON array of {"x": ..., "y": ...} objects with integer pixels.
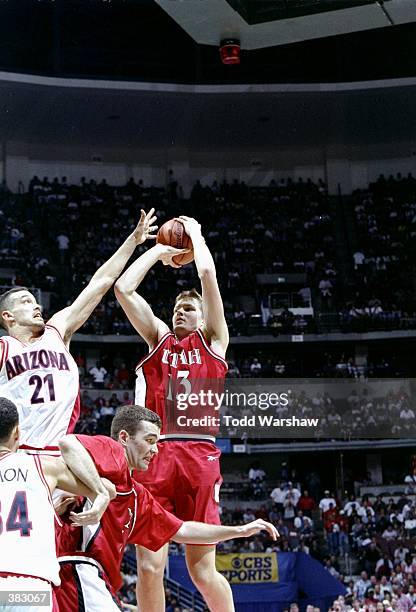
[{"x": 173, "y": 233}]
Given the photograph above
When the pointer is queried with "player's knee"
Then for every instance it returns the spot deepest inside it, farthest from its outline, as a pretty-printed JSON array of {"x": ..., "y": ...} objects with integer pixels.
[
  {"x": 203, "y": 577},
  {"x": 149, "y": 570}
]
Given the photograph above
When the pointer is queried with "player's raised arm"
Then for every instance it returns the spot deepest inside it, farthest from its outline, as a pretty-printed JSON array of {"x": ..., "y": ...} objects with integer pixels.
[
  {"x": 68, "y": 320},
  {"x": 138, "y": 311},
  {"x": 215, "y": 325}
]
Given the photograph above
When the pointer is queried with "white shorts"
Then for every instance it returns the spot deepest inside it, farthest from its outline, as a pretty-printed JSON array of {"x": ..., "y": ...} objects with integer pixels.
[
  {"x": 32, "y": 590},
  {"x": 83, "y": 588}
]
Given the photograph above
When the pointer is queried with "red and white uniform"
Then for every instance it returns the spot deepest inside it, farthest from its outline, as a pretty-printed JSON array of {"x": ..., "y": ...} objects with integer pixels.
[
  {"x": 91, "y": 556},
  {"x": 42, "y": 379},
  {"x": 27, "y": 528},
  {"x": 185, "y": 476},
  {"x": 179, "y": 366}
]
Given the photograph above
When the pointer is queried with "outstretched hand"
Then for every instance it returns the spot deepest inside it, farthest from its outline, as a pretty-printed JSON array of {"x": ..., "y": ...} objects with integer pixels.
[
  {"x": 145, "y": 228},
  {"x": 258, "y": 526}
]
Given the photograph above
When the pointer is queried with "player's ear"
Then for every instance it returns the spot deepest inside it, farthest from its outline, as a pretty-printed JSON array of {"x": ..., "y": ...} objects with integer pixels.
[
  {"x": 6, "y": 317},
  {"x": 16, "y": 436},
  {"x": 123, "y": 437}
]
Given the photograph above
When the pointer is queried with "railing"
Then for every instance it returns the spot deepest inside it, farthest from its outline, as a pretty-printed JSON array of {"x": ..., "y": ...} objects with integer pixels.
[{"x": 186, "y": 598}]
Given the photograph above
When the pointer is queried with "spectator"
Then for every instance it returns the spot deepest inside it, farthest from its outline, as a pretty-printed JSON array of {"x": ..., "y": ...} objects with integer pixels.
[
  {"x": 255, "y": 368},
  {"x": 98, "y": 373},
  {"x": 278, "y": 495},
  {"x": 326, "y": 502},
  {"x": 362, "y": 585},
  {"x": 306, "y": 503},
  {"x": 292, "y": 494}
]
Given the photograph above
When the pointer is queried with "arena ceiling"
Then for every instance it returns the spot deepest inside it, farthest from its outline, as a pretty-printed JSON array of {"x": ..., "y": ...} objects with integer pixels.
[
  {"x": 80, "y": 112},
  {"x": 283, "y": 41}
]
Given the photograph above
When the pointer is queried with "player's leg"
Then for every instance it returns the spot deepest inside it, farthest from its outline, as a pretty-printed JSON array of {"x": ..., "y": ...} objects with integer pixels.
[
  {"x": 197, "y": 500},
  {"x": 214, "y": 588},
  {"x": 149, "y": 588}
]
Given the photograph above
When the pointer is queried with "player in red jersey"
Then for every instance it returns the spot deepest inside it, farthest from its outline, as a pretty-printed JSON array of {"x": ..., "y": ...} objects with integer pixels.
[
  {"x": 185, "y": 477},
  {"x": 36, "y": 370},
  {"x": 90, "y": 557}
]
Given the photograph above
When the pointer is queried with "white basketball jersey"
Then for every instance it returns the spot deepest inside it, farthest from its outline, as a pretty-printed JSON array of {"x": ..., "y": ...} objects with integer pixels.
[
  {"x": 42, "y": 379},
  {"x": 27, "y": 519}
]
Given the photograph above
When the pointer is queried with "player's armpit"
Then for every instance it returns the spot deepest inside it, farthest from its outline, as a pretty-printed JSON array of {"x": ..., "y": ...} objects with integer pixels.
[{"x": 58, "y": 475}]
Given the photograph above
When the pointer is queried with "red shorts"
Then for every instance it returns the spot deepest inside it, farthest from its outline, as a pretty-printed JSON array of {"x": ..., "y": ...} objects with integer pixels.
[{"x": 185, "y": 479}]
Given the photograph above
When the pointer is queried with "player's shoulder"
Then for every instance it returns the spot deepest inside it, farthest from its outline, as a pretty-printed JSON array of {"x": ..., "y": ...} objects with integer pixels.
[
  {"x": 6, "y": 342},
  {"x": 100, "y": 441},
  {"x": 164, "y": 338},
  {"x": 216, "y": 347}
]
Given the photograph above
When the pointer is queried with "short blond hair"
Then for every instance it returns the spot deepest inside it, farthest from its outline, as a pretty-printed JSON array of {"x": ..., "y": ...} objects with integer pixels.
[{"x": 190, "y": 293}]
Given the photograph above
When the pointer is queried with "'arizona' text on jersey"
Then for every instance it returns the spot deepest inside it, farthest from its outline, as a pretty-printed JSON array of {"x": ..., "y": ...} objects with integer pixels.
[{"x": 42, "y": 379}]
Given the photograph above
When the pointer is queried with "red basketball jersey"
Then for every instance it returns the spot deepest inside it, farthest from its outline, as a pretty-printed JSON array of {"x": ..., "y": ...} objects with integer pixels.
[
  {"x": 134, "y": 516},
  {"x": 178, "y": 368}
]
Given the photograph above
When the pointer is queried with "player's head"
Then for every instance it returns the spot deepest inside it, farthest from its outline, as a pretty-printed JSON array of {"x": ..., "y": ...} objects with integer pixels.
[
  {"x": 187, "y": 312},
  {"x": 19, "y": 308},
  {"x": 9, "y": 424},
  {"x": 138, "y": 430}
]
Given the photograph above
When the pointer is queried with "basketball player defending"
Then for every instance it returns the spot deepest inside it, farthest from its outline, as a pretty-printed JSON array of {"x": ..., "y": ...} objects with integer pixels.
[
  {"x": 185, "y": 476},
  {"x": 28, "y": 554},
  {"x": 37, "y": 371}
]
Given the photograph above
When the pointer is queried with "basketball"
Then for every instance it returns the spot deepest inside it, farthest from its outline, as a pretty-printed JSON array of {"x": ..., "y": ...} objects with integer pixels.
[{"x": 173, "y": 233}]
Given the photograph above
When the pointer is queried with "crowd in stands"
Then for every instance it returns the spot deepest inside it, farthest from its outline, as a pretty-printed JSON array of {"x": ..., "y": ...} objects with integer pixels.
[
  {"x": 55, "y": 236},
  {"x": 326, "y": 412},
  {"x": 380, "y": 289},
  {"x": 375, "y": 534},
  {"x": 285, "y": 228},
  {"x": 361, "y": 412}
]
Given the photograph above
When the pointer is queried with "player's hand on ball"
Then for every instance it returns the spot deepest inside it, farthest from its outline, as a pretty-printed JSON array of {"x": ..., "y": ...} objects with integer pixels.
[
  {"x": 190, "y": 225},
  {"x": 94, "y": 514},
  {"x": 258, "y": 526},
  {"x": 168, "y": 252},
  {"x": 145, "y": 228}
]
